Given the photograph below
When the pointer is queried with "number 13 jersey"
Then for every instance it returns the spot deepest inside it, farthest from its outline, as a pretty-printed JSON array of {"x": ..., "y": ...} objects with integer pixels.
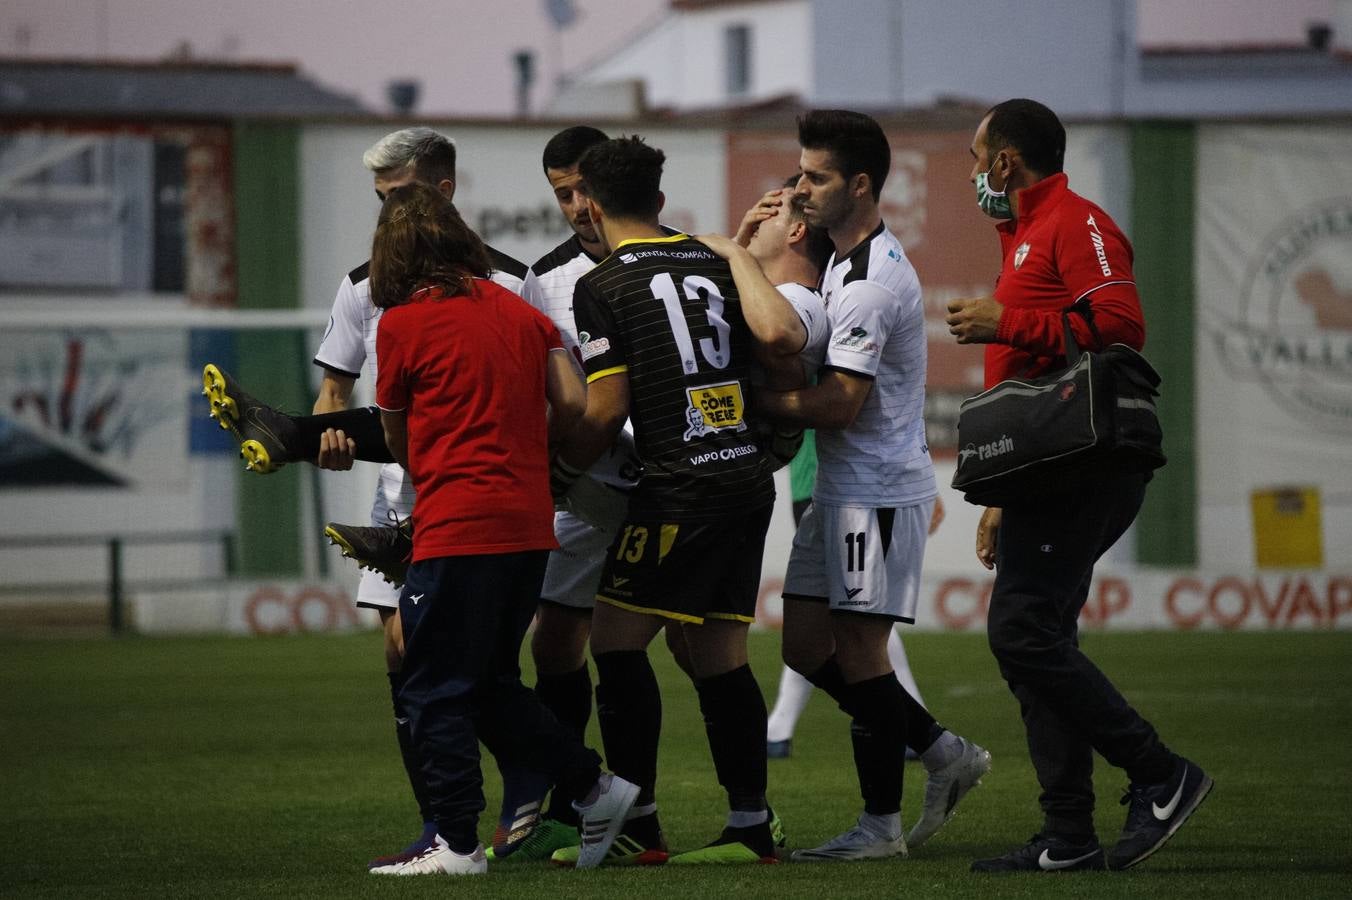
[{"x": 665, "y": 312}]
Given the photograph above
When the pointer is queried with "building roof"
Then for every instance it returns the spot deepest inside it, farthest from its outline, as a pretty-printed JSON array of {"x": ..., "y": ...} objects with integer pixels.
[{"x": 186, "y": 89}]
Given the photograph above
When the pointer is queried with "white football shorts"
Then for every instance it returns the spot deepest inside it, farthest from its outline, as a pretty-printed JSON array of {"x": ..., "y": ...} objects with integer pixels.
[
  {"x": 860, "y": 559},
  {"x": 574, "y": 570}
]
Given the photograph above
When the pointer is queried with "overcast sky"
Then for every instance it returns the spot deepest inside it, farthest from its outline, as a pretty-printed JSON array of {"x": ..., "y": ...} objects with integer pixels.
[{"x": 461, "y": 49}]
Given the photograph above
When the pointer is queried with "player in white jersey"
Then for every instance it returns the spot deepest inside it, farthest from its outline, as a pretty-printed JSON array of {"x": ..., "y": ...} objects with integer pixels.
[
  {"x": 770, "y": 231},
  {"x": 855, "y": 566},
  {"x": 587, "y": 517}
]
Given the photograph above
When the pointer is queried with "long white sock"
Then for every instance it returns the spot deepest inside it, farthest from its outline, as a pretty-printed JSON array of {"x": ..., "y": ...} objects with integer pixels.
[
  {"x": 896, "y": 653},
  {"x": 794, "y": 692}
]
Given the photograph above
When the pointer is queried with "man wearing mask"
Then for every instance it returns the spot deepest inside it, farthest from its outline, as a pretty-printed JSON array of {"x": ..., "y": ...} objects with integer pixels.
[{"x": 1059, "y": 249}]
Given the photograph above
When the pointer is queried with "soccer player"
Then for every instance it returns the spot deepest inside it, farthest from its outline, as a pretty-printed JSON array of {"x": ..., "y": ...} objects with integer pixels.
[
  {"x": 587, "y": 519},
  {"x": 472, "y": 385},
  {"x": 269, "y": 438},
  {"x": 786, "y": 258},
  {"x": 1060, "y": 248},
  {"x": 855, "y": 566},
  {"x": 667, "y": 343}
]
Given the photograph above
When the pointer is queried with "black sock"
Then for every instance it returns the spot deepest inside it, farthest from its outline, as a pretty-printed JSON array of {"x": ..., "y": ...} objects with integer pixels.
[
  {"x": 412, "y": 759},
  {"x": 629, "y": 711},
  {"x": 757, "y": 837},
  {"x": 831, "y": 680},
  {"x": 569, "y": 698},
  {"x": 921, "y": 729},
  {"x": 734, "y": 719},
  {"x": 879, "y": 736},
  {"x": 646, "y": 830},
  {"x": 361, "y": 425}
]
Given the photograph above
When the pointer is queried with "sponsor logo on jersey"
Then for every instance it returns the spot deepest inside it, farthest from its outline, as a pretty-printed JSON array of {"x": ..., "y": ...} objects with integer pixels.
[
  {"x": 1096, "y": 238},
  {"x": 589, "y": 347},
  {"x": 857, "y": 340},
  {"x": 1020, "y": 254},
  {"x": 636, "y": 255},
  {"x": 713, "y": 408},
  {"x": 727, "y": 453}
]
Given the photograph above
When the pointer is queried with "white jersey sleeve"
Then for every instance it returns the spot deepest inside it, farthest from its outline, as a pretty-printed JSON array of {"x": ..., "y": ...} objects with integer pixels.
[
  {"x": 348, "y": 342},
  {"x": 863, "y": 315},
  {"x": 812, "y": 313}
]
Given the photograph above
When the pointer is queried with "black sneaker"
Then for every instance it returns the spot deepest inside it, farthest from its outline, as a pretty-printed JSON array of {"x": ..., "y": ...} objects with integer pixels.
[
  {"x": 386, "y": 549},
  {"x": 1156, "y": 811},
  {"x": 1046, "y": 853},
  {"x": 268, "y": 439}
]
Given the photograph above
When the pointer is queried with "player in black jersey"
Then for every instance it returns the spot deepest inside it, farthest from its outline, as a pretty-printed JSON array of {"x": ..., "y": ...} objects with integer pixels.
[{"x": 664, "y": 342}]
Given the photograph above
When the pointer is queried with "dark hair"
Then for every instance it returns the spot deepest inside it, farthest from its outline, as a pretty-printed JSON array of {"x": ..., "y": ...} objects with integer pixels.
[
  {"x": 565, "y": 148},
  {"x": 855, "y": 141},
  {"x": 819, "y": 243},
  {"x": 1032, "y": 129},
  {"x": 624, "y": 176},
  {"x": 436, "y": 162},
  {"x": 421, "y": 241}
]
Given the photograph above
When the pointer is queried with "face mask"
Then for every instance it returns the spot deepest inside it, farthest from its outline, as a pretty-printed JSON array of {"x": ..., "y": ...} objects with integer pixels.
[{"x": 992, "y": 202}]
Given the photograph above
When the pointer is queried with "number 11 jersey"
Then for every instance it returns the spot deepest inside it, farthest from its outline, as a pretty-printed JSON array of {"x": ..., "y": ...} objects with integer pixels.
[{"x": 665, "y": 311}]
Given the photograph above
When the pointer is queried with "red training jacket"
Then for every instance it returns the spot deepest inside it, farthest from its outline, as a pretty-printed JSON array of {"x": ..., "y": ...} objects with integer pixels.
[{"x": 1059, "y": 249}]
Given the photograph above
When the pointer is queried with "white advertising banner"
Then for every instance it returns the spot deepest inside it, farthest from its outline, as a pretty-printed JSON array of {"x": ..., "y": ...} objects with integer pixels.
[
  {"x": 1119, "y": 600},
  {"x": 249, "y": 608},
  {"x": 1274, "y": 331},
  {"x": 1142, "y": 600}
]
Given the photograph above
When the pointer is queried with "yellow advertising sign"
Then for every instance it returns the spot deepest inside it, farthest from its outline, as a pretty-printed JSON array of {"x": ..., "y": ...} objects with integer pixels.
[{"x": 1287, "y": 528}]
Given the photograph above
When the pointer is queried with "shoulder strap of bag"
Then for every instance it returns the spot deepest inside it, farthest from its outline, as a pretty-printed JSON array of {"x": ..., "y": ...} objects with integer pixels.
[{"x": 1072, "y": 347}]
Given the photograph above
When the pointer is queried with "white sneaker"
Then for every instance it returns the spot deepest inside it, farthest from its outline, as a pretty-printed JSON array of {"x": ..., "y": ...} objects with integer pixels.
[
  {"x": 946, "y": 787},
  {"x": 859, "y": 842},
  {"x": 439, "y": 859},
  {"x": 603, "y": 819}
]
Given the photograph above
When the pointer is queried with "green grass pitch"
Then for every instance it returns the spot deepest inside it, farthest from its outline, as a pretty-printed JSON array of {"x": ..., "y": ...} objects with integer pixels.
[{"x": 267, "y": 768}]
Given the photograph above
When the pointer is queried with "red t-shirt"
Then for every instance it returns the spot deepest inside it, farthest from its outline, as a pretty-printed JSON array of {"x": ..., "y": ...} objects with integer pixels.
[
  {"x": 1059, "y": 249},
  {"x": 470, "y": 372}
]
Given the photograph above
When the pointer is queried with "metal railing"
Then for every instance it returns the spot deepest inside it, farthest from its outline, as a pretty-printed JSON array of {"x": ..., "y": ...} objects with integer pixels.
[{"x": 116, "y": 544}]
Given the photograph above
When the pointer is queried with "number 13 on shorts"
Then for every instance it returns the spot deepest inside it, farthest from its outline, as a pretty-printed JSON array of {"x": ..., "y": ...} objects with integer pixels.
[{"x": 633, "y": 542}]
